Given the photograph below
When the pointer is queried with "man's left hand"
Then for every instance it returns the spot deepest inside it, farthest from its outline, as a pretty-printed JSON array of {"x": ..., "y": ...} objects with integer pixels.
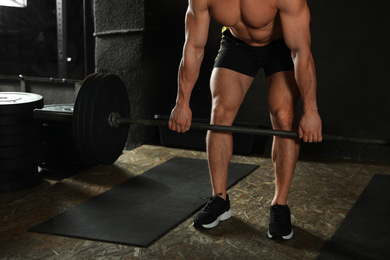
[{"x": 310, "y": 127}]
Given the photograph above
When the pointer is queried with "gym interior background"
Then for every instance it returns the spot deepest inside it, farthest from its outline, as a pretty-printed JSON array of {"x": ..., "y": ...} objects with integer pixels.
[
  {"x": 49, "y": 47},
  {"x": 141, "y": 41}
]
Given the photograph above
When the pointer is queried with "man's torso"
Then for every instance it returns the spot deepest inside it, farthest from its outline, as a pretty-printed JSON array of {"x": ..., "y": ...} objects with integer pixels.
[{"x": 256, "y": 22}]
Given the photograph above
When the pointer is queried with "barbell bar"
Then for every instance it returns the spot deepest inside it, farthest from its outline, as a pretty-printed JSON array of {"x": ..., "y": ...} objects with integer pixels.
[
  {"x": 100, "y": 121},
  {"x": 115, "y": 120}
]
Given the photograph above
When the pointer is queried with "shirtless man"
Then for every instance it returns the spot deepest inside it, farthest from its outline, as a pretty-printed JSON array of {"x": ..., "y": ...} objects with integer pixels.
[{"x": 269, "y": 34}]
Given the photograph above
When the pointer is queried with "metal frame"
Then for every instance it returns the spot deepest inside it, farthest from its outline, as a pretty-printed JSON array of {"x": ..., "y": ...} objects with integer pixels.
[
  {"x": 61, "y": 38},
  {"x": 24, "y": 79}
]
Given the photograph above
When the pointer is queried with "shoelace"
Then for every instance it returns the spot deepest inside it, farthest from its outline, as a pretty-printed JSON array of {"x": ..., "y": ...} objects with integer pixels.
[
  {"x": 212, "y": 197},
  {"x": 279, "y": 214},
  {"x": 210, "y": 200}
]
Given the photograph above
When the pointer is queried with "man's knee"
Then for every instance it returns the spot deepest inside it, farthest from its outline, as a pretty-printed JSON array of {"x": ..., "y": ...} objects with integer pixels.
[
  {"x": 283, "y": 119},
  {"x": 222, "y": 114}
]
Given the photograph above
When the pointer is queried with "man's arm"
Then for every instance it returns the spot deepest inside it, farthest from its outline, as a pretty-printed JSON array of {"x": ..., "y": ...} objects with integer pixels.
[
  {"x": 295, "y": 19},
  {"x": 196, "y": 32}
]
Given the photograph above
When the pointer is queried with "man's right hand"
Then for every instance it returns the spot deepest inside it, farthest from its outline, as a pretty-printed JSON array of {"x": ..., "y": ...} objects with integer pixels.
[{"x": 180, "y": 119}]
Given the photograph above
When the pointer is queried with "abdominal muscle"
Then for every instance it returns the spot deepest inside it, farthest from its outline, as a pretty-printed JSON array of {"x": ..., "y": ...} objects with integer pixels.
[{"x": 253, "y": 21}]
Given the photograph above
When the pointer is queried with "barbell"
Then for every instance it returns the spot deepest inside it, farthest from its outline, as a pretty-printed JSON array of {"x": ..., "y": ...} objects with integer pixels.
[{"x": 100, "y": 121}]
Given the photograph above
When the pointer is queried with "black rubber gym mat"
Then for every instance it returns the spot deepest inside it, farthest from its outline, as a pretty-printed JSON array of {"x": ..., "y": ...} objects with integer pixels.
[
  {"x": 365, "y": 231},
  {"x": 142, "y": 209}
]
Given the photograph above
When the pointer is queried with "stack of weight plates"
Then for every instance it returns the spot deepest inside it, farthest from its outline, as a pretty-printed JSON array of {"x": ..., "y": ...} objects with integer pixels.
[
  {"x": 20, "y": 141},
  {"x": 60, "y": 156}
]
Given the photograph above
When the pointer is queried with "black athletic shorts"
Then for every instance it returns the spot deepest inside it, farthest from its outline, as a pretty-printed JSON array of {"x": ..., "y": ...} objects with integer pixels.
[{"x": 236, "y": 55}]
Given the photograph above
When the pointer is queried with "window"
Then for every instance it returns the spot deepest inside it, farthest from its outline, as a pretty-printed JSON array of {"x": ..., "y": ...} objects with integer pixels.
[
  {"x": 29, "y": 42},
  {"x": 13, "y": 3}
]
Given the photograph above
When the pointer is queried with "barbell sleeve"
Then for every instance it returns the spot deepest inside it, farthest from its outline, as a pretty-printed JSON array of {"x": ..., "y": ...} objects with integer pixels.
[{"x": 57, "y": 116}]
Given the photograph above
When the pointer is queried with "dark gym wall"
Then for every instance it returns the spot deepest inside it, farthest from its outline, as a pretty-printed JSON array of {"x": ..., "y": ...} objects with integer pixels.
[
  {"x": 351, "y": 54},
  {"x": 348, "y": 45}
]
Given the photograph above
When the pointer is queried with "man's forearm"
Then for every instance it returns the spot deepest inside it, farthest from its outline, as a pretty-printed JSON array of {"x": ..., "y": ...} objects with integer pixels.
[
  {"x": 188, "y": 73},
  {"x": 306, "y": 79}
]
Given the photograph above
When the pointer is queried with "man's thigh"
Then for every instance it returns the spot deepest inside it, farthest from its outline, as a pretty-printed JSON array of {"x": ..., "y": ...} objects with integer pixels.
[
  {"x": 282, "y": 88},
  {"x": 283, "y": 96},
  {"x": 228, "y": 89}
]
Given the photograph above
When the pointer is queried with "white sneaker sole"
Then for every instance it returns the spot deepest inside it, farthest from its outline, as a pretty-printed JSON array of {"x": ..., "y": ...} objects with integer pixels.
[
  {"x": 289, "y": 236},
  {"x": 222, "y": 217}
]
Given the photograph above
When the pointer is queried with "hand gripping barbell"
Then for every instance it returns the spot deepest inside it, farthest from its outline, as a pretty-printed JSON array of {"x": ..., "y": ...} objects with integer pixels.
[{"x": 100, "y": 121}]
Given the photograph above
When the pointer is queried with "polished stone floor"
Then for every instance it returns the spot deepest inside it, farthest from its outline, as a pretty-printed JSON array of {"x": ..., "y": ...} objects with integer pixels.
[{"x": 321, "y": 195}]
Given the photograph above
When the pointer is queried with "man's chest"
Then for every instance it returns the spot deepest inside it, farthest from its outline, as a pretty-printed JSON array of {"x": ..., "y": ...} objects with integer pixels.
[{"x": 253, "y": 13}]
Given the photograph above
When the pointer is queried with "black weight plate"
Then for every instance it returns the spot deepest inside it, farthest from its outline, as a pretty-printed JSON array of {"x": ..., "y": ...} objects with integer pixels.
[
  {"x": 7, "y": 176},
  {"x": 99, "y": 96},
  {"x": 20, "y": 180},
  {"x": 19, "y": 102},
  {"x": 20, "y": 151},
  {"x": 58, "y": 145},
  {"x": 65, "y": 157},
  {"x": 80, "y": 111},
  {"x": 67, "y": 153},
  {"x": 52, "y": 170},
  {"x": 54, "y": 132},
  {"x": 56, "y": 148},
  {"x": 16, "y": 120},
  {"x": 24, "y": 129},
  {"x": 15, "y": 140},
  {"x": 59, "y": 141},
  {"x": 64, "y": 165},
  {"x": 20, "y": 163}
]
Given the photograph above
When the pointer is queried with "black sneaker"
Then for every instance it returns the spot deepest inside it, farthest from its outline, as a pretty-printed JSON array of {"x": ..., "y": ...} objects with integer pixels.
[
  {"x": 280, "y": 222},
  {"x": 216, "y": 209}
]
